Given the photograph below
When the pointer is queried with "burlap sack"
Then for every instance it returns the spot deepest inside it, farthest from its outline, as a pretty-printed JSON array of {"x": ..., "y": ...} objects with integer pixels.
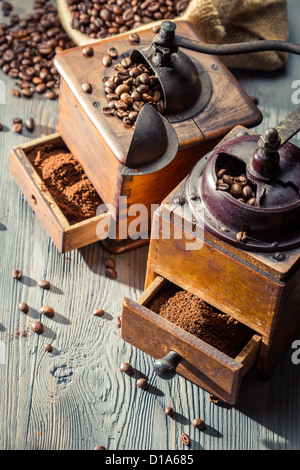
[{"x": 224, "y": 21}]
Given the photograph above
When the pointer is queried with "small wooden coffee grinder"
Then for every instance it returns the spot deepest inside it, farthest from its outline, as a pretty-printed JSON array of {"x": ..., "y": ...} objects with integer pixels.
[{"x": 238, "y": 252}]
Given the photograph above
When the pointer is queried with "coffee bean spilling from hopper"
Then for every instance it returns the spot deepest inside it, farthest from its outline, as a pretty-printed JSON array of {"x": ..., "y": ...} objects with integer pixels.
[
  {"x": 129, "y": 88},
  {"x": 101, "y": 19},
  {"x": 238, "y": 186}
]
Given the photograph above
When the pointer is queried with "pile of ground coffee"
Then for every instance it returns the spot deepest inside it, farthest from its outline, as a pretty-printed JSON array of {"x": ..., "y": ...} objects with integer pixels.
[
  {"x": 67, "y": 182},
  {"x": 192, "y": 314}
]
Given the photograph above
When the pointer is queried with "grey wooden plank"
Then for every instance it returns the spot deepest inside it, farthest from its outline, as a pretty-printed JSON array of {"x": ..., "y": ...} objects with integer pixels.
[{"x": 76, "y": 397}]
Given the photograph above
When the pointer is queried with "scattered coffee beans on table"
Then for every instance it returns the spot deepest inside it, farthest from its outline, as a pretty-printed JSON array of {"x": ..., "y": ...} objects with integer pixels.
[
  {"x": 37, "y": 327},
  {"x": 199, "y": 424},
  {"x": 169, "y": 411},
  {"x": 23, "y": 307},
  {"x": 142, "y": 383},
  {"x": 47, "y": 311},
  {"x": 126, "y": 368},
  {"x": 48, "y": 348},
  {"x": 185, "y": 439},
  {"x": 99, "y": 312},
  {"x": 99, "y": 19},
  {"x": 17, "y": 274},
  {"x": 27, "y": 49},
  {"x": 44, "y": 284}
]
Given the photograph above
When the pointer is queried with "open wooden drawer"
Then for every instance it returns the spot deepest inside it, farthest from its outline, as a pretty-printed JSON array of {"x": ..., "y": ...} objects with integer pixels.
[
  {"x": 201, "y": 363},
  {"x": 65, "y": 235}
]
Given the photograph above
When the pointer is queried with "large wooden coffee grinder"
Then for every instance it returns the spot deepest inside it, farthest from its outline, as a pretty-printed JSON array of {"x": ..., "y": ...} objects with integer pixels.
[{"x": 234, "y": 241}]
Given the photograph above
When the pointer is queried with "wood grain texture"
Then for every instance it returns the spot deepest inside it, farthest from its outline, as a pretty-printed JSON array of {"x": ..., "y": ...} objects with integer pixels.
[{"x": 76, "y": 397}]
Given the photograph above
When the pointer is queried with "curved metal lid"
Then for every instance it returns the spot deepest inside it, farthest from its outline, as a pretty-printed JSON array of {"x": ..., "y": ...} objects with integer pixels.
[{"x": 154, "y": 143}]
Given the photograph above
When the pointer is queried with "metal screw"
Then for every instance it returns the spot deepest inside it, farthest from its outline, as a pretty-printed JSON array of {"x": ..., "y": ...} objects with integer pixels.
[
  {"x": 279, "y": 256},
  {"x": 179, "y": 200}
]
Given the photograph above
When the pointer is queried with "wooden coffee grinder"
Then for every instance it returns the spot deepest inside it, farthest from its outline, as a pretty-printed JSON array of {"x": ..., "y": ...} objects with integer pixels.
[{"x": 238, "y": 250}]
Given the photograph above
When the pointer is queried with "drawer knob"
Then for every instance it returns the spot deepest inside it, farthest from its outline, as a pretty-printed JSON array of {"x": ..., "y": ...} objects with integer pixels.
[{"x": 165, "y": 368}]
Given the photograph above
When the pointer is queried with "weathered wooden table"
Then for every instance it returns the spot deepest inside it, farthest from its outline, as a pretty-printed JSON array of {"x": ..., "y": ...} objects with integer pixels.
[{"x": 76, "y": 397}]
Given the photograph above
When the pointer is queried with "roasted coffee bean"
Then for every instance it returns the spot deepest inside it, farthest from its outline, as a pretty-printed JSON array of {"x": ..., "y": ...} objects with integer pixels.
[
  {"x": 199, "y": 424},
  {"x": 17, "y": 274},
  {"x": 127, "y": 121},
  {"x": 99, "y": 312},
  {"x": 112, "y": 51},
  {"x": 133, "y": 115},
  {"x": 99, "y": 448},
  {"x": 23, "y": 307},
  {"x": 47, "y": 311},
  {"x": 185, "y": 439},
  {"x": 126, "y": 98},
  {"x": 44, "y": 284},
  {"x": 41, "y": 88},
  {"x": 134, "y": 72},
  {"x": 236, "y": 190},
  {"x": 110, "y": 263},
  {"x": 108, "y": 111},
  {"x": 51, "y": 95},
  {"x": 169, "y": 411},
  {"x": 30, "y": 124},
  {"x": 122, "y": 89},
  {"x": 126, "y": 368},
  {"x": 241, "y": 237},
  {"x": 121, "y": 114},
  {"x": 88, "y": 51},
  {"x": 15, "y": 93},
  {"x": 144, "y": 78},
  {"x": 107, "y": 60},
  {"x": 17, "y": 120},
  {"x": 222, "y": 186},
  {"x": 135, "y": 95},
  {"x": 18, "y": 128},
  {"x": 143, "y": 88},
  {"x": 119, "y": 321},
  {"x": 111, "y": 273},
  {"x": 120, "y": 105},
  {"x": 227, "y": 179},
  {"x": 48, "y": 348},
  {"x": 247, "y": 192},
  {"x": 134, "y": 38},
  {"x": 127, "y": 62},
  {"x": 112, "y": 96},
  {"x": 142, "y": 383},
  {"x": 27, "y": 92},
  {"x": 87, "y": 87},
  {"x": 37, "y": 327},
  {"x": 222, "y": 172},
  {"x": 252, "y": 201}
]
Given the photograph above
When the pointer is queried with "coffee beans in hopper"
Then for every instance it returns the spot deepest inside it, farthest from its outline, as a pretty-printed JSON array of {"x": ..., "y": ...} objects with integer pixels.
[
  {"x": 129, "y": 88},
  {"x": 27, "y": 49},
  {"x": 107, "y": 18},
  {"x": 237, "y": 185}
]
